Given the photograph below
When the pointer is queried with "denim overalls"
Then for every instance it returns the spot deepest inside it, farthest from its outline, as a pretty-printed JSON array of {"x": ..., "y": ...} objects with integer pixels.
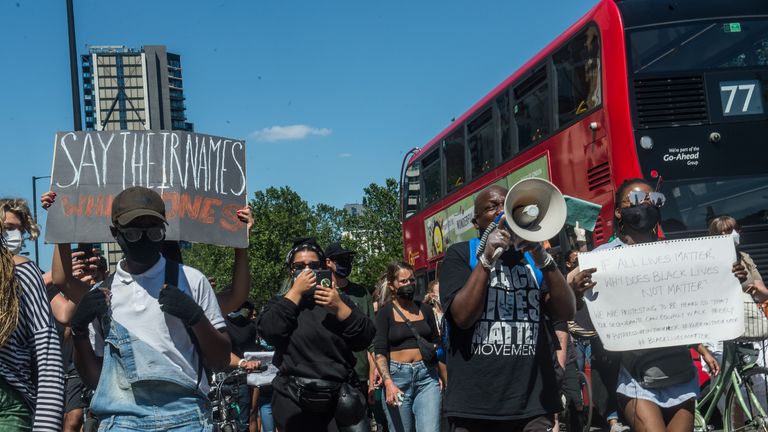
[{"x": 139, "y": 389}]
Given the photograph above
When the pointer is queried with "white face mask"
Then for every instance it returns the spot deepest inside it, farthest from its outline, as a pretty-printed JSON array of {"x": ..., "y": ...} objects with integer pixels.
[
  {"x": 736, "y": 237},
  {"x": 13, "y": 241}
]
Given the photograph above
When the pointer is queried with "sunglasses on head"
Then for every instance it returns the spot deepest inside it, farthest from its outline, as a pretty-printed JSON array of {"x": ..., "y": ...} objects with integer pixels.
[
  {"x": 313, "y": 265},
  {"x": 655, "y": 198},
  {"x": 132, "y": 234}
]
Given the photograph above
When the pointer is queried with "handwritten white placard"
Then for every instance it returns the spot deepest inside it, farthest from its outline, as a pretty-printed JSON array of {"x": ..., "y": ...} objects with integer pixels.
[{"x": 667, "y": 293}]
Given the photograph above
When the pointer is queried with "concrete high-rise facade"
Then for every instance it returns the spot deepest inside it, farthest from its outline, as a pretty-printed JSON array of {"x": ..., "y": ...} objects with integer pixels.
[{"x": 126, "y": 88}]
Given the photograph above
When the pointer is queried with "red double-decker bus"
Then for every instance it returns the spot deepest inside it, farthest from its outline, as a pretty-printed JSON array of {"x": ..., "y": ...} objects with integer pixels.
[{"x": 635, "y": 88}]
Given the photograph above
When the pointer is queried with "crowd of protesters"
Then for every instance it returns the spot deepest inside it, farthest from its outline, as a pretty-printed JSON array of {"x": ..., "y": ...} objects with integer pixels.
[{"x": 493, "y": 346}]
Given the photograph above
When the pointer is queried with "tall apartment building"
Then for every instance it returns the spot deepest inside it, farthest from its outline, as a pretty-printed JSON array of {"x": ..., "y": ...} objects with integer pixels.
[{"x": 127, "y": 88}]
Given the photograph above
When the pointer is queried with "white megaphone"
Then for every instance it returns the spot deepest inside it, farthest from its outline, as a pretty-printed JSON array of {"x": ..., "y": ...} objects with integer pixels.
[{"x": 535, "y": 210}]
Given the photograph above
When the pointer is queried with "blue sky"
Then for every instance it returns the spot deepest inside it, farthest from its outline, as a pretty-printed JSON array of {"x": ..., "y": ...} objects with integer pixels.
[{"x": 328, "y": 94}]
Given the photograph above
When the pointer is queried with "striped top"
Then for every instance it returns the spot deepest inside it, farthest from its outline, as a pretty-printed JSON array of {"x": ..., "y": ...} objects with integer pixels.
[{"x": 31, "y": 359}]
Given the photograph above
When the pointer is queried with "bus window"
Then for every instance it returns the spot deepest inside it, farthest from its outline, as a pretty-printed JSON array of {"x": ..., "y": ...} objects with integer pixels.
[
  {"x": 508, "y": 145},
  {"x": 531, "y": 109},
  {"x": 453, "y": 148},
  {"x": 481, "y": 143},
  {"x": 412, "y": 190},
  {"x": 430, "y": 172},
  {"x": 577, "y": 69}
]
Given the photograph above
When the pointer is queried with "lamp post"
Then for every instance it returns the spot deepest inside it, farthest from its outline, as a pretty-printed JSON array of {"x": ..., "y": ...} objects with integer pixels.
[
  {"x": 34, "y": 213},
  {"x": 73, "y": 66}
]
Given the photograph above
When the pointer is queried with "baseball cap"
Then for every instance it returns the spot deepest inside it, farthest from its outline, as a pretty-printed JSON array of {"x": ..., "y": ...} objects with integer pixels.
[
  {"x": 334, "y": 250},
  {"x": 134, "y": 202}
]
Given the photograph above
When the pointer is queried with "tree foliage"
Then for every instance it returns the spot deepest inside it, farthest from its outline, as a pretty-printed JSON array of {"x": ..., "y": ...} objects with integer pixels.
[{"x": 281, "y": 215}]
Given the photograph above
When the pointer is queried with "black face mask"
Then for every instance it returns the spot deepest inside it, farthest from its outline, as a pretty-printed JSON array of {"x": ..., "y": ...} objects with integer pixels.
[
  {"x": 143, "y": 252},
  {"x": 641, "y": 218},
  {"x": 406, "y": 292},
  {"x": 343, "y": 268}
]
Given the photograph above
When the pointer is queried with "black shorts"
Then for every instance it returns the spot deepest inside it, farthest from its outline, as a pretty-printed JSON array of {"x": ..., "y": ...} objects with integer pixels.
[{"x": 73, "y": 391}]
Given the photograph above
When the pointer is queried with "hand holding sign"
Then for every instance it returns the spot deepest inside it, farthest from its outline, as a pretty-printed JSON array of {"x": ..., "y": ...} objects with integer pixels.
[
  {"x": 201, "y": 179},
  {"x": 668, "y": 293}
]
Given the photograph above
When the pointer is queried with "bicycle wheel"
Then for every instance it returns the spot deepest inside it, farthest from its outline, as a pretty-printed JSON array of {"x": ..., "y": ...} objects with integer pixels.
[
  {"x": 588, "y": 404},
  {"x": 746, "y": 405}
]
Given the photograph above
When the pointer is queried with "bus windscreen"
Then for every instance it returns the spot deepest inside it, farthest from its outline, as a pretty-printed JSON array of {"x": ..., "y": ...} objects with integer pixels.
[
  {"x": 700, "y": 45},
  {"x": 691, "y": 204}
]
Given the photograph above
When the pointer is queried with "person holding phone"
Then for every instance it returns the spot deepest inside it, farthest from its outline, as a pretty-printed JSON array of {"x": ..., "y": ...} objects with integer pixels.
[{"x": 315, "y": 330}]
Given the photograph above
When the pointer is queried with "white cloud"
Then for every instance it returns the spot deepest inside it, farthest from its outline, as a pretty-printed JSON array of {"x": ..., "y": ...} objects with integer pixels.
[
  {"x": 345, "y": 155},
  {"x": 288, "y": 133}
]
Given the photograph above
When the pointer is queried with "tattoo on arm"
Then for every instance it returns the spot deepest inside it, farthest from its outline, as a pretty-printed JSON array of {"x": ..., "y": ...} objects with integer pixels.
[{"x": 383, "y": 365}]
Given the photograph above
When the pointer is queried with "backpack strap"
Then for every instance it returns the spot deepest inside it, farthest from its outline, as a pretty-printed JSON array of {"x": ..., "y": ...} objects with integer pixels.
[
  {"x": 536, "y": 272},
  {"x": 473, "y": 252}
]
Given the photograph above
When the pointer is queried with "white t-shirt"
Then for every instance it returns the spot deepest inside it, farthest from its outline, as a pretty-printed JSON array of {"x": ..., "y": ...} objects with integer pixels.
[{"x": 134, "y": 305}]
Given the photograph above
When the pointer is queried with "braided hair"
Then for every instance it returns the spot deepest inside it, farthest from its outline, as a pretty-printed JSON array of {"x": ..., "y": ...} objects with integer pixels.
[{"x": 9, "y": 293}]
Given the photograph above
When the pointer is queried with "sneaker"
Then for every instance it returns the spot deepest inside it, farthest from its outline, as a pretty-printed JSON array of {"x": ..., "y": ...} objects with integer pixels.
[{"x": 618, "y": 427}]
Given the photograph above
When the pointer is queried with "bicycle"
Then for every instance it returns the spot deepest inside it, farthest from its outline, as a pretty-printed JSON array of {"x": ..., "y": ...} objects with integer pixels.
[
  {"x": 224, "y": 394},
  {"x": 739, "y": 381}
]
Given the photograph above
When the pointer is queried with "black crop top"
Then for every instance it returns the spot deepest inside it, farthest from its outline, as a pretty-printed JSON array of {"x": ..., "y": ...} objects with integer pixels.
[{"x": 394, "y": 335}]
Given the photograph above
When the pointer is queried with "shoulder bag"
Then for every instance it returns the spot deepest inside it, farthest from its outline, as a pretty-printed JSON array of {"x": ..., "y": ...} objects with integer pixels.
[{"x": 427, "y": 349}]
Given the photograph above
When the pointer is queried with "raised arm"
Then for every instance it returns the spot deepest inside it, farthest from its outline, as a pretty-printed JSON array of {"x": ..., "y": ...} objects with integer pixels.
[
  {"x": 61, "y": 268},
  {"x": 232, "y": 299}
]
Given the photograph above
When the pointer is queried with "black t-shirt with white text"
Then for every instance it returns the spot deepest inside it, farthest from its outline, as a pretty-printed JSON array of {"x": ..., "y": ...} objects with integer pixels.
[{"x": 502, "y": 367}]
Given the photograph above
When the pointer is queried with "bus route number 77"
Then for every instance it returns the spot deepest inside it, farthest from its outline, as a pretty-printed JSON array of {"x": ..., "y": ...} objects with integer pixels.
[{"x": 741, "y": 97}]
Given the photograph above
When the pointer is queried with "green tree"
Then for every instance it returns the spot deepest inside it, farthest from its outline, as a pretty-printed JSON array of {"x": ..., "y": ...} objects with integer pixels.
[
  {"x": 280, "y": 215},
  {"x": 375, "y": 233}
]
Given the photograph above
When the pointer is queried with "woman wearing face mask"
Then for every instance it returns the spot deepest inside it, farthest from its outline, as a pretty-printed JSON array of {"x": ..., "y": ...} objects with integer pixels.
[
  {"x": 411, "y": 386},
  {"x": 315, "y": 330},
  {"x": 753, "y": 285},
  {"x": 17, "y": 222},
  {"x": 571, "y": 260},
  {"x": 668, "y": 405}
]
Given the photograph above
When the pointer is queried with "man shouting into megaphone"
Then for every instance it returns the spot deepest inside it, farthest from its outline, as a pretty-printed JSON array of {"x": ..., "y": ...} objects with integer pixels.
[{"x": 499, "y": 354}]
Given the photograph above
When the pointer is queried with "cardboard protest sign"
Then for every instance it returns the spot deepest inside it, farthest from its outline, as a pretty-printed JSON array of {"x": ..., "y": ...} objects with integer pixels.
[
  {"x": 668, "y": 293},
  {"x": 200, "y": 177}
]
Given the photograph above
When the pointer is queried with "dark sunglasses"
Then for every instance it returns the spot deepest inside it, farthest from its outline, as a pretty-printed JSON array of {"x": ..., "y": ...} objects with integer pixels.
[
  {"x": 655, "y": 198},
  {"x": 133, "y": 235},
  {"x": 314, "y": 265}
]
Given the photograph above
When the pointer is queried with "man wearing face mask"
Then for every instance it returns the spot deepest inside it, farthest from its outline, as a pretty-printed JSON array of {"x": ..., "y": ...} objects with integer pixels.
[
  {"x": 339, "y": 261},
  {"x": 153, "y": 324}
]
